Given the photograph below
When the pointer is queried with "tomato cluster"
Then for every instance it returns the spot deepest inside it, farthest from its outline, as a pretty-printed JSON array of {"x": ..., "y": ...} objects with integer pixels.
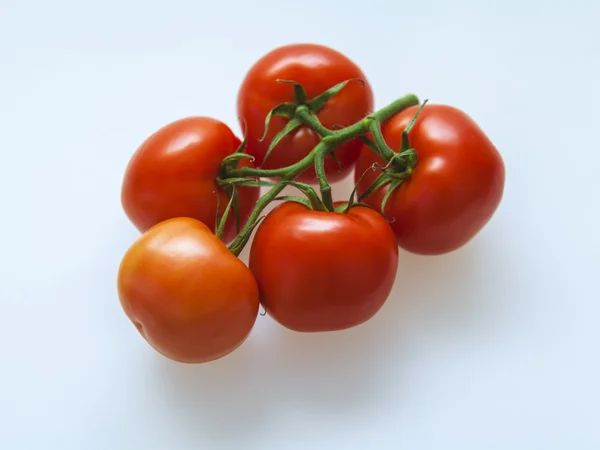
[{"x": 427, "y": 180}]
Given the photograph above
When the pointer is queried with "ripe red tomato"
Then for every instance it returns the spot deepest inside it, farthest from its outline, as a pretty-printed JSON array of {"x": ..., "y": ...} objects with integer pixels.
[
  {"x": 317, "y": 68},
  {"x": 323, "y": 271},
  {"x": 188, "y": 296},
  {"x": 173, "y": 174},
  {"x": 453, "y": 191}
]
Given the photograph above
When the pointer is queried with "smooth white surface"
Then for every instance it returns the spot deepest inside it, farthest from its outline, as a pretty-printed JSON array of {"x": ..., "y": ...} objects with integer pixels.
[{"x": 493, "y": 347}]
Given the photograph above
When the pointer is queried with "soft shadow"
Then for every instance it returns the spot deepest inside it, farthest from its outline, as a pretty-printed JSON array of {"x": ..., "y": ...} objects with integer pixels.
[
  {"x": 459, "y": 291},
  {"x": 225, "y": 398},
  {"x": 279, "y": 372}
]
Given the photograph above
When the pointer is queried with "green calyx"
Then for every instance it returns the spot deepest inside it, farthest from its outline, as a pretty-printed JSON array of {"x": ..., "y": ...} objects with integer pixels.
[
  {"x": 399, "y": 165},
  {"x": 303, "y": 112},
  {"x": 296, "y": 110}
]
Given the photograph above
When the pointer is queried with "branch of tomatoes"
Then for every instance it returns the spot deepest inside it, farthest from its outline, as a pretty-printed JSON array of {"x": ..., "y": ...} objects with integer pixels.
[
  {"x": 315, "y": 265},
  {"x": 303, "y": 112}
]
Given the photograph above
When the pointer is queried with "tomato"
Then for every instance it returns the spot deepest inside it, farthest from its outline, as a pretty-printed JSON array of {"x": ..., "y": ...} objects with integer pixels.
[
  {"x": 453, "y": 191},
  {"x": 173, "y": 174},
  {"x": 323, "y": 271},
  {"x": 188, "y": 296},
  {"x": 317, "y": 68}
]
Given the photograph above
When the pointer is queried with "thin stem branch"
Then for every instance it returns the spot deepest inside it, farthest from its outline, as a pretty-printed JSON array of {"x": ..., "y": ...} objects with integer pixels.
[
  {"x": 310, "y": 119},
  {"x": 382, "y": 148},
  {"x": 322, "y": 177}
]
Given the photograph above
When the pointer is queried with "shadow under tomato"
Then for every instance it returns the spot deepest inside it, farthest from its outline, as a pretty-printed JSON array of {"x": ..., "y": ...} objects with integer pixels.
[
  {"x": 451, "y": 293},
  {"x": 278, "y": 374},
  {"x": 222, "y": 400}
]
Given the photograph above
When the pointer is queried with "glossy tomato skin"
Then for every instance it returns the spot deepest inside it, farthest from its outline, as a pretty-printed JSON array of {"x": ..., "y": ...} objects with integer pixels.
[
  {"x": 317, "y": 68},
  {"x": 323, "y": 271},
  {"x": 188, "y": 296},
  {"x": 453, "y": 191},
  {"x": 173, "y": 174}
]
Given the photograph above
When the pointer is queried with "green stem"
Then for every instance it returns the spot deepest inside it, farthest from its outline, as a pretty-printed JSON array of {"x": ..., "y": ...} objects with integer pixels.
[
  {"x": 389, "y": 111},
  {"x": 288, "y": 174},
  {"x": 324, "y": 186},
  {"x": 283, "y": 172},
  {"x": 331, "y": 137},
  {"x": 371, "y": 122},
  {"x": 330, "y": 140},
  {"x": 383, "y": 149},
  {"x": 221, "y": 221},
  {"x": 311, "y": 120}
]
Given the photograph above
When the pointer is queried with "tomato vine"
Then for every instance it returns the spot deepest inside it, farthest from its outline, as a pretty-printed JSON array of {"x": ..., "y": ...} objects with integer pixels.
[{"x": 302, "y": 113}]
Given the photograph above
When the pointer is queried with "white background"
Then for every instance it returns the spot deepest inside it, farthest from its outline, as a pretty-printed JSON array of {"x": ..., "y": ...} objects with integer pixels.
[{"x": 495, "y": 346}]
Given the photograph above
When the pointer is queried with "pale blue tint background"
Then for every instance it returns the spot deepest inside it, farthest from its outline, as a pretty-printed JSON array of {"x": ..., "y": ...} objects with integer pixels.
[{"x": 493, "y": 347}]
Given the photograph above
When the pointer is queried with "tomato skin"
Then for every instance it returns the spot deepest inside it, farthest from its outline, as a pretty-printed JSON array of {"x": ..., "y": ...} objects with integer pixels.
[
  {"x": 173, "y": 174},
  {"x": 317, "y": 68},
  {"x": 323, "y": 271},
  {"x": 188, "y": 296},
  {"x": 453, "y": 191}
]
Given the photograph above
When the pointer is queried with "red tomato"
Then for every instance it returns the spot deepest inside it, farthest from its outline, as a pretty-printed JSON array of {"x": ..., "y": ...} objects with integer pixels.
[
  {"x": 323, "y": 271},
  {"x": 453, "y": 191},
  {"x": 173, "y": 174},
  {"x": 317, "y": 68},
  {"x": 188, "y": 296}
]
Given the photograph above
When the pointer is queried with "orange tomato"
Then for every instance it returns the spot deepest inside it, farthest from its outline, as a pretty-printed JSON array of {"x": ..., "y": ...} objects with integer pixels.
[{"x": 186, "y": 293}]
